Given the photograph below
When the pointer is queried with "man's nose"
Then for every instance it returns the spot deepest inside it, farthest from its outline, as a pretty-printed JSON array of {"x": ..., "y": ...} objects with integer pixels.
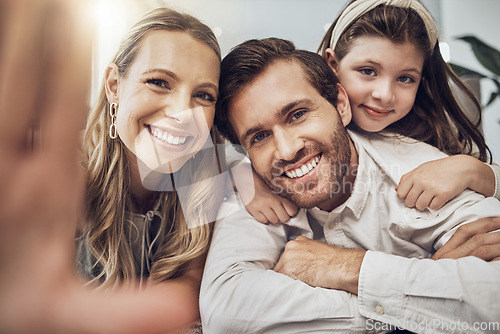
[{"x": 287, "y": 144}]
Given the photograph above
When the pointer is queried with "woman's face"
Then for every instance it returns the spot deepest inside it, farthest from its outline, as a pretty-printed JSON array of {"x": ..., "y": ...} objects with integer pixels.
[
  {"x": 166, "y": 100},
  {"x": 381, "y": 79}
]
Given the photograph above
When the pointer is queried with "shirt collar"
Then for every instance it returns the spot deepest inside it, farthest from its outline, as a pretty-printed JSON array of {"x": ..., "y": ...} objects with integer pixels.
[{"x": 357, "y": 201}]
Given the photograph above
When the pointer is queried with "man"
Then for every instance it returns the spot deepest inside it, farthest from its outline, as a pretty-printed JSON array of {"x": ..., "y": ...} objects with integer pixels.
[{"x": 285, "y": 107}]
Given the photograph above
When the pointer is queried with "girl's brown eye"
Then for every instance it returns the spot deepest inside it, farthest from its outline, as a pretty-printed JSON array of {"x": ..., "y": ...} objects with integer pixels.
[{"x": 205, "y": 96}]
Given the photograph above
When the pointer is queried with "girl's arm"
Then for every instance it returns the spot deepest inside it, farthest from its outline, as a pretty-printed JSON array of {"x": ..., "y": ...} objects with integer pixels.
[{"x": 434, "y": 183}]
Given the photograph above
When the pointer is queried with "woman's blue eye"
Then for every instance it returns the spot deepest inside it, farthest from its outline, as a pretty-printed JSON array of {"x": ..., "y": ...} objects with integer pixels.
[
  {"x": 205, "y": 96},
  {"x": 367, "y": 71},
  {"x": 158, "y": 82}
]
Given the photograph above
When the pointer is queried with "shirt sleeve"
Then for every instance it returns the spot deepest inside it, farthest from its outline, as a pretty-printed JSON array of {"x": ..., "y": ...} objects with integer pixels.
[
  {"x": 496, "y": 170},
  {"x": 423, "y": 295},
  {"x": 240, "y": 292}
]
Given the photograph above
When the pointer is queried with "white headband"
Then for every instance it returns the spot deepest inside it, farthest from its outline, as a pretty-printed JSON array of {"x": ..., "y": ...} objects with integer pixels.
[{"x": 359, "y": 8}]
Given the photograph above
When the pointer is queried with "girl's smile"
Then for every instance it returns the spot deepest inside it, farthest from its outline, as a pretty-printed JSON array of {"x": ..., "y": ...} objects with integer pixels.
[{"x": 381, "y": 79}]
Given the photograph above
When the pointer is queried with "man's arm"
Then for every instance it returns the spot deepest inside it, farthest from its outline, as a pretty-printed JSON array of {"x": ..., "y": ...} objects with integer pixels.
[
  {"x": 420, "y": 295},
  {"x": 241, "y": 293}
]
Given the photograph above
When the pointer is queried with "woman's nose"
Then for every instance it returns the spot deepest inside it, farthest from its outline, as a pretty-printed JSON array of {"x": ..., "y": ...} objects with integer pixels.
[{"x": 179, "y": 108}]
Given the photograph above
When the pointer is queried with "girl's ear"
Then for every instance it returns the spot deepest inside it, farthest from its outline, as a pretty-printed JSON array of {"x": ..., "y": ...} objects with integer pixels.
[
  {"x": 112, "y": 83},
  {"x": 343, "y": 106},
  {"x": 330, "y": 59}
]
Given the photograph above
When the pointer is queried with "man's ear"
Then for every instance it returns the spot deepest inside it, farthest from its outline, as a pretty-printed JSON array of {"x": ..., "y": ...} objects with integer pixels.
[
  {"x": 343, "y": 106},
  {"x": 330, "y": 59},
  {"x": 112, "y": 83}
]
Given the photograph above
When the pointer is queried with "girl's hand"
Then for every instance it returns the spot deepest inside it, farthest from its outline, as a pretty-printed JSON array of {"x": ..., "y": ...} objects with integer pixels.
[
  {"x": 267, "y": 206},
  {"x": 434, "y": 183},
  {"x": 480, "y": 238},
  {"x": 260, "y": 201}
]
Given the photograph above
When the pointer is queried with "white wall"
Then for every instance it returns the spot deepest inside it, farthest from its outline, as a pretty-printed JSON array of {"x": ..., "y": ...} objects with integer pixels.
[
  {"x": 303, "y": 22},
  {"x": 479, "y": 18}
]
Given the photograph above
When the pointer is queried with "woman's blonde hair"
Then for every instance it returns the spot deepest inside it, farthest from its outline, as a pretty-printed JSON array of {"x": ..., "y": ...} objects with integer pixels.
[{"x": 108, "y": 196}]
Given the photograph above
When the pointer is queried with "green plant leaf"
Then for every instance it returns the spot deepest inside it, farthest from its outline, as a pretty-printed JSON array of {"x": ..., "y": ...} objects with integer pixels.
[
  {"x": 488, "y": 56},
  {"x": 461, "y": 71},
  {"x": 492, "y": 98},
  {"x": 497, "y": 83}
]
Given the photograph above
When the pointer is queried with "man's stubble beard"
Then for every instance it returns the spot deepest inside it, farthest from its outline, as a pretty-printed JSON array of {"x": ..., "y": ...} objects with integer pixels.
[{"x": 337, "y": 154}]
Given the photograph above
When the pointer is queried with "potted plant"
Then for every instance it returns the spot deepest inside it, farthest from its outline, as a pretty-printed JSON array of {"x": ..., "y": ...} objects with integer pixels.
[{"x": 489, "y": 58}]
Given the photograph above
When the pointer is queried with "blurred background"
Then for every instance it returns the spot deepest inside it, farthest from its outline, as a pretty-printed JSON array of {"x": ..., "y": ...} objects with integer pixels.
[{"x": 304, "y": 23}]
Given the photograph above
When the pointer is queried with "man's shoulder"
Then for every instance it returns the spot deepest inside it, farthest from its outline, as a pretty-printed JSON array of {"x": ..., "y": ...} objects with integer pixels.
[{"x": 395, "y": 154}]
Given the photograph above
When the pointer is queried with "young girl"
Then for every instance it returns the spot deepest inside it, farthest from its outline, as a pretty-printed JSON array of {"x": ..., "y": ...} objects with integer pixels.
[
  {"x": 154, "y": 113},
  {"x": 386, "y": 55}
]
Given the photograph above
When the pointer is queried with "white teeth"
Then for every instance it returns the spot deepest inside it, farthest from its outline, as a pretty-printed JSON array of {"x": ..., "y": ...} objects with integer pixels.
[
  {"x": 303, "y": 170},
  {"x": 166, "y": 137}
]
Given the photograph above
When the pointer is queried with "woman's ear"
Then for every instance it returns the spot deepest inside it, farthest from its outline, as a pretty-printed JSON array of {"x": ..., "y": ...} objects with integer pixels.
[
  {"x": 343, "y": 106},
  {"x": 330, "y": 59},
  {"x": 112, "y": 83}
]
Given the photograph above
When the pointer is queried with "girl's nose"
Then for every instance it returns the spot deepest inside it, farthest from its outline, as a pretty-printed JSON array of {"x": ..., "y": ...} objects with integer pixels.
[{"x": 384, "y": 92}]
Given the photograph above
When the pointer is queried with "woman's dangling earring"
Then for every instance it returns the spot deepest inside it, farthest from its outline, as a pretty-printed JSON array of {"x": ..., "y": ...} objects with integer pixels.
[{"x": 112, "y": 112}]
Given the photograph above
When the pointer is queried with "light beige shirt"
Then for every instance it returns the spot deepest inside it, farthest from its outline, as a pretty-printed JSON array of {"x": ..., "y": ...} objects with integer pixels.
[{"x": 398, "y": 284}]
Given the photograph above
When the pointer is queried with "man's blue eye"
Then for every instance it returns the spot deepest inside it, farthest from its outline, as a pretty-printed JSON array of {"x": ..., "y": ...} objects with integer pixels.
[
  {"x": 298, "y": 114},
  {"x": 259, "y": 137}
]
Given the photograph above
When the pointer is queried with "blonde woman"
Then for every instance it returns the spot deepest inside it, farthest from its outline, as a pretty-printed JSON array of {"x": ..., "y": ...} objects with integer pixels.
[
  {"x": 150, "y": 162},
  {"x": 163, "y": 81}
]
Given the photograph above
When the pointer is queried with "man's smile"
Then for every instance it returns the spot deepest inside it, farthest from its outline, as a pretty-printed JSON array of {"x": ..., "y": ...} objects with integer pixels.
[{"x": 305, "y": 169}]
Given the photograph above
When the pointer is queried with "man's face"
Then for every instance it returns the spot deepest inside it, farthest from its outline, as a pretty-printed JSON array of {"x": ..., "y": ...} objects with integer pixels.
[{"x": 294, "y": 137}]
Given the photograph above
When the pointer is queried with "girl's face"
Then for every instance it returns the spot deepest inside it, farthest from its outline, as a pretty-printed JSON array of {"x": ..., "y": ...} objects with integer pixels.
[
  {"x": 166, "y": 100},
  {"x": 381, "y": 79}
]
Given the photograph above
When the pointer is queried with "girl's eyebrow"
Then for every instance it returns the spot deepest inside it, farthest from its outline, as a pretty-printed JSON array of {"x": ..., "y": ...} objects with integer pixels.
[{"x": 410, "y": 69}]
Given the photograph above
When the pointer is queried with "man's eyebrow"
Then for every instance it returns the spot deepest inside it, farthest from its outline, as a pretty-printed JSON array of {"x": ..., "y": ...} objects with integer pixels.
[
  {"x": 280, "y": 114},
  {"x": 293, "y": 105}
]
